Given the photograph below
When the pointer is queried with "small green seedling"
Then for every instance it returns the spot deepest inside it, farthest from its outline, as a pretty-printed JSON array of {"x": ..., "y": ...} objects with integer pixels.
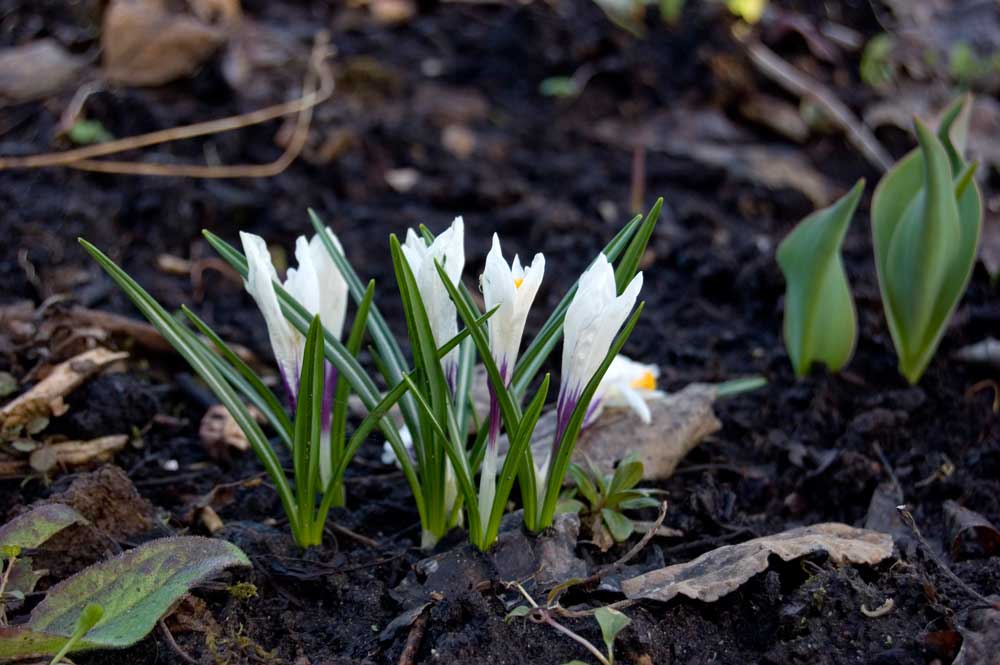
[
  {"x": 611, "y": 622},
  {"x": 926, "y": 223},
  {"x": 821, "y": 324},
  {"x": 607, "y": 497}
]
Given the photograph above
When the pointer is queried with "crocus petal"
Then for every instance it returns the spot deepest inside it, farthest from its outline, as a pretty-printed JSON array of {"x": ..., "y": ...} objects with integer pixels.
[
  {"x": 512, "y": 290},
  {"x": 630, "y": 384},
  {"x": 333, "y": 292},
  {"x": 448, "y": 249},
  {"x": 592, "y": 322},
  {"x": 286, "y": 342}
]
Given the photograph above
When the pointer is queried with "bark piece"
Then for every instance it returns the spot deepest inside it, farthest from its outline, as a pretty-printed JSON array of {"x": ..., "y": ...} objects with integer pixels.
[
  {"x": 723, "y": 570},
  {"x": 46, "y": 397}
]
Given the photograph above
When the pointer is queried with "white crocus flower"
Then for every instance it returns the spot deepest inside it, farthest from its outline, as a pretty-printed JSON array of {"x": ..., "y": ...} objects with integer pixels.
[
  {"x": 591, "y": 324},
  {"x": 317, "y": 284},
  {"x": 627, "y": 383},
  {"x": 511, "y": 289},
  {"x": 448, "y": 249}
]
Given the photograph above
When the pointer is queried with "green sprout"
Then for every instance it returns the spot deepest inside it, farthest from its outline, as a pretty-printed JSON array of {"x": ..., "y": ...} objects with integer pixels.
[
  {"x": 877, "y": 67},
  {"x": 820, "y": 319},
  {"x": 607, "y": 497},
  {"x": 926, "y": 222}
]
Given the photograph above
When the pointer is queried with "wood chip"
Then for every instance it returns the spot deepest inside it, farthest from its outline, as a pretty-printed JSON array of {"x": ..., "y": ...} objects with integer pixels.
[
  {"x": 721, "y": 571},
  {"x": 62, "y": 380}
]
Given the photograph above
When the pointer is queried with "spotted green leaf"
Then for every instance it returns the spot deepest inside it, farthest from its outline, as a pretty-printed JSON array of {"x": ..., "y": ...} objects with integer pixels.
[{"x": 820, "y": 321}]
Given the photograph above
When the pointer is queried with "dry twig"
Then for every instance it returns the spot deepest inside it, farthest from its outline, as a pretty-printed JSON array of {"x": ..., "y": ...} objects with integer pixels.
[
  {"x": 317, "y": 88},
  {"x": 796, "y": 82}
]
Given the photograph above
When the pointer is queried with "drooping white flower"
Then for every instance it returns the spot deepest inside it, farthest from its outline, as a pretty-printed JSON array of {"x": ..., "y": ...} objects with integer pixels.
[
  {"x": 448, "y": 249},
  {"x": 513, "y": 289},
  {"x": 318, "y": 285},
  {"x": 627, "y": 383},
  {"x": 591, "y": 324}
]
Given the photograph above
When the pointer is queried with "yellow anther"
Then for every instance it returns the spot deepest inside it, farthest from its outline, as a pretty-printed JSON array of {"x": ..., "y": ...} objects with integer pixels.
[
  {"x": 518, "y": 281},
  {"x": 645, "y": 382}
]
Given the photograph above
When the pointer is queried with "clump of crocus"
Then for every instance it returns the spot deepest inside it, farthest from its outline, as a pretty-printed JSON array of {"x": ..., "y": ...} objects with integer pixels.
[
  {"x": 432, "y": 389},
  {"x": 926, "y": 221}
]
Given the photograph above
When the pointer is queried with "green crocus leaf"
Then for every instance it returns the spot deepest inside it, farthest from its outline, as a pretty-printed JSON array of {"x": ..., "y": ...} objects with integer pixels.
[
  {"x": 820, "y": 320},
  {"x": 926, "y": 222},
  {"x": 134, "y": 590}
]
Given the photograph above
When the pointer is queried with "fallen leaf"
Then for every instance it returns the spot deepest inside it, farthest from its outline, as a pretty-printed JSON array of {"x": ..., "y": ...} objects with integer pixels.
[
  {"x": 147, "y": 44},
  {"x": 981, "y": 636},
  {"x": 35, "y": 70},
  {"x": 972, "y": 535},
  {"x": 62, "y": 380},
  {"x": 723, "y": 570},
  {"x": 219, "y": 432},
  {"x": 679, "y": 422},
  {"x": 45, "y": 458}
]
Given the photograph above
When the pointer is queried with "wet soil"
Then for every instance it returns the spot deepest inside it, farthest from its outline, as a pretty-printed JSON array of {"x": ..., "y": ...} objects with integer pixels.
[{"x": 792, "y": 453}]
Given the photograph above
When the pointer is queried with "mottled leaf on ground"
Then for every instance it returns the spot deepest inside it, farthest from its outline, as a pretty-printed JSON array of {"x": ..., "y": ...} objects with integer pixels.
[
  {"x": 721, "y": 571},
  {"x": 34, "y": 527},
  {"x": 135, "y": 589}
]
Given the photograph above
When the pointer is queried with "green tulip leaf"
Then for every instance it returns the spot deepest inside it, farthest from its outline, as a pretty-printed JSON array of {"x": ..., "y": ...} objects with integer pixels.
[
  {"x": 820, "y": 320},
  {"x": 926, "y": 222}
]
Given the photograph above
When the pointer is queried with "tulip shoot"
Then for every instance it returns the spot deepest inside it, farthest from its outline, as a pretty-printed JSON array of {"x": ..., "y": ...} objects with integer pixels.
[
  {"x": 926, "y": 222},
  {"x": 820, "y": 320}
]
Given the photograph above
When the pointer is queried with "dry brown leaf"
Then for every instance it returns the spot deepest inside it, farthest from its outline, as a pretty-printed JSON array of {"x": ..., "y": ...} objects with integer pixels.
[
  {"x": 67, "y": 454},
  {"x": 723, "y": 570},
  {"x": 35, "y": 70},
  {"x": 219, "y": 432},
  {"x": 145, "y": 43},
  {"x": 62, "y": 380},
  {"x": 972, "y": 535},
  {"x": 981, "y": 637},
  {"x": 679, "y": 422}
]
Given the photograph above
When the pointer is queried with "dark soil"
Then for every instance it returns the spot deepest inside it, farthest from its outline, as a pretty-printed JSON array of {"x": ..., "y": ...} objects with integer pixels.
[{"x": 545, "y": 178}]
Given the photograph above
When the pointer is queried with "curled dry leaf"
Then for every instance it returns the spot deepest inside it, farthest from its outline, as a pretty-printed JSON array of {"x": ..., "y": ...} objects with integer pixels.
[
  {"x": 145, "y": 43},
  {"x": 35, "y": 70},
  {"x": 46, "y": 397},
  {"x": 972, "y": 535},
  {"x": 721, "y": 571},
  {"x": 981, "y": 636}
]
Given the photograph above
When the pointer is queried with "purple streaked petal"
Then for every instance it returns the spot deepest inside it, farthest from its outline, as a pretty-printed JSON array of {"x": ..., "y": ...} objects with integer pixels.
[{"x": 329, "y": 387}]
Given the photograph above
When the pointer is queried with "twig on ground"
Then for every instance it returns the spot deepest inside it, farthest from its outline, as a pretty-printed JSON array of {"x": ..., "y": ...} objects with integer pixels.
[
  {"x": 908, "y": 520},
  {"x": 85, "y": 158},
  {"x": 796, "y": 82},
  {"x": 172, "y": 643},
  {"x": 413, "y": 640},
  {"x": 354, "y": 535}
]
